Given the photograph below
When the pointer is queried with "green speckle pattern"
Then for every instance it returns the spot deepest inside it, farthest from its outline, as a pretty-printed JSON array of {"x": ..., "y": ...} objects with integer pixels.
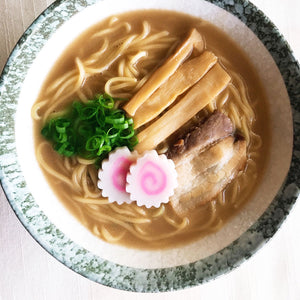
[{"x": 83, "y": 261}]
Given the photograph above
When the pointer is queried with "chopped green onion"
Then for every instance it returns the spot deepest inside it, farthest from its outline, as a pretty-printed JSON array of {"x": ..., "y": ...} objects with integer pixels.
[
  {"x": 127, "y": 134},
  {"x": 106, "y": 101},
  {"x": 91, "y": 130},
  {"x": 112, "y": 133}
]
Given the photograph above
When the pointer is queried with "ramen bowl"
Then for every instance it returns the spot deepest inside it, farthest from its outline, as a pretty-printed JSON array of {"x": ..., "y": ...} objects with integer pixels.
[{"x": 51, "y": 224}]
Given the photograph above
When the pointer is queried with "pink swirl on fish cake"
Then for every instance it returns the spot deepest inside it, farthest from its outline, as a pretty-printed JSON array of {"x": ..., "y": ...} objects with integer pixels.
[{"x": 153, "y": 178}]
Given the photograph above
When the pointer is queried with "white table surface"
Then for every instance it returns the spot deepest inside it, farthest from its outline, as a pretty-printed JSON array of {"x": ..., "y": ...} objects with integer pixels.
[{"x": 28, "y": 272}]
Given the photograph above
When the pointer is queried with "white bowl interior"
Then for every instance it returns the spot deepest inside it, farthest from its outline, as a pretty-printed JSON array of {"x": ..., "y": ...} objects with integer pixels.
[{"x": 280, "y": 148}]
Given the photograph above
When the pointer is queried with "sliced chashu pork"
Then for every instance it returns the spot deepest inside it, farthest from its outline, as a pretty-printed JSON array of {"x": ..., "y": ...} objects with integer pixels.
[
  {"x": 214, "y": 128},
  {"x": 204, "y": 171}
]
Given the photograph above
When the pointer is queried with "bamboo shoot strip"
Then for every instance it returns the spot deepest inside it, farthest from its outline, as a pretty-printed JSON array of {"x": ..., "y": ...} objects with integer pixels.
[
  {"x": 213, "y": 83},
  {"x": 186, "y": 76},
  {"x": 194, "y": 40}
]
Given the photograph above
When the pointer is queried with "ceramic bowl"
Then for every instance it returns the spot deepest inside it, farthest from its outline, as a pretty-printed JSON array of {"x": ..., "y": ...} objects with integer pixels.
[{"x": 63, "y": 236}]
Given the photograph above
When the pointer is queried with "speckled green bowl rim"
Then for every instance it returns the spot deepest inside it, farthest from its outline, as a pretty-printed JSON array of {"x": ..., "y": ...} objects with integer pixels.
[{"x": 79, "y": 259}]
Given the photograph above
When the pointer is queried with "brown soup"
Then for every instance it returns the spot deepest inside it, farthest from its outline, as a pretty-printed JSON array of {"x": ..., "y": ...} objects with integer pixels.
[{"x": 127, "y": 48}]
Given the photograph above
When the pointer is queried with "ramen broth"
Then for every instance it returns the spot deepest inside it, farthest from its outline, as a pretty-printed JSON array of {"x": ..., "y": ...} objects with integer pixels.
[{"x": 152, "y": 224}]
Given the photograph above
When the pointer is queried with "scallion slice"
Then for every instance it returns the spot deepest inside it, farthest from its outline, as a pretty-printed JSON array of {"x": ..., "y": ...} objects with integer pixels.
[{"x": 91, "y": 130}]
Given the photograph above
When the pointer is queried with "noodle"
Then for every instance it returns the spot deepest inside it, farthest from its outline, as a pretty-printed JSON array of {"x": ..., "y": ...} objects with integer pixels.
[
  {"x": 113, "y": 29},
  {"x": 133, "y": 56},
  {"x": 109, "y": 237}
]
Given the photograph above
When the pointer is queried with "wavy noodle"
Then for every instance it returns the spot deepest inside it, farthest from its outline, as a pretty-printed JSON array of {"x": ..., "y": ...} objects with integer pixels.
[
  {"x": 121, "y": 210},
  {"x": 109, "y": 31},
  {"x": 114, "y": 85},
  {"x": 60, "y": 81},
  {"x": 171, "y": 221},
  {"x": 110, "y": 237},
  {"x": 101, "y": 201},
  {"x": 97, "y": 55},
  {"x": 135, "y": 55},
  {"x": 35, "y": 110}
]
